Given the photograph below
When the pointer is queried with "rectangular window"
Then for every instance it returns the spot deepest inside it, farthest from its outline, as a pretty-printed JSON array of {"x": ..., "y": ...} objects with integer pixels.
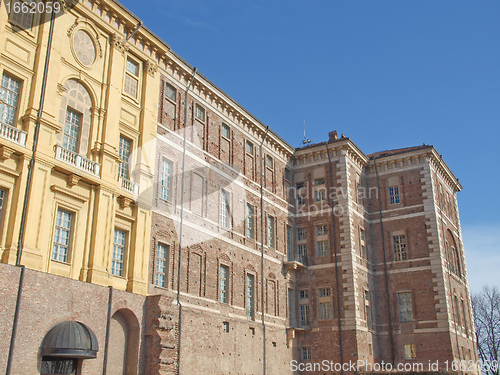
[
  {"x": 302, "y": 253},
  {"x": 249, "y": 148},
  {"x": 304, "y": 315},
  {"x": 62, "y": 236},
  {"x": 226, "y": 131},
  {"x": 71, "y": 130},
  {"x": 118, "y": 253},
  {"x": 400, "y": 252},
  {"x": 170, "y": 92},
  {"x": 161, "y": 265},
  {"x": 166, "y": 180},
  {"x": 124, "y": 152},
  {"x": 131, "y": 78},
  {"x": 250, "y": 221},
  {"x": 319, "y": 181},
  {"x": 288, "y": 174},
  {"x": 325, "y": 310},
  {"x": 301, "y": 199},
  {"x": 306, "y": 353},
  {"x": 2, "y": 201},
  {"x": 301, "y": 234},
  {"x": 223, "y": 276},
  {"x": 394, "y": 194},
  {"x": 225, "y": 327},
  {"x": 324, "y": 292},
  {"x": 250, "y": 287},
  {"x": 224, "y": 208},
  {"x": 23, "y": 17},
  {"x": 9, "y": 97},
  {"x": 410, "y": 351},
  {"x": 289, "y": 244},
  {"x": 322, "y": 248},
  {"x": 362, "y": 243},
  {"x": 405, "y": 307},
  {"x": 303, "y": 294},
  {"x": 321, "y": 230},
  {"x": 271, "y": 238},
  {"x": 199, "y": 112},
  {"x": 269, "y": 162},
  {"x": 320, "y": 195},
  {"x": 291, "y": 303},
  {"x": 457, "y": 311},
  {"x": 368, "y": 310}
]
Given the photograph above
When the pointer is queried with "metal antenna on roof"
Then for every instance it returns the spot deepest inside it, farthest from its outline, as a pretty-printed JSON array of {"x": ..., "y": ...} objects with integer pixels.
[{"x": 305, "y": 141}]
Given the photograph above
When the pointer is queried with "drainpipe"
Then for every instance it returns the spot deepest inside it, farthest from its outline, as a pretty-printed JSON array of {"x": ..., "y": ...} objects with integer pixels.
[
  {"x": 183, "y": 181},
  {"x": 339, "y": 319},
  {"x": 108, "y": 327},
  {"x": 391, "y": 333},
  {"x": 139, "y": 25},
  {"x": 31, "y": 165},
  {"x": 262, "y": 245}
]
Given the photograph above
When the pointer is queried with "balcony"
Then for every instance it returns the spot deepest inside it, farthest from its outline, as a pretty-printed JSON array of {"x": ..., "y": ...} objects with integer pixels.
[
  {"x": 129, "y": 186},
  {"x": 78, "y": 161},
  {"x": 13, "y": 134},
  {"x": 296, "y": 263}
]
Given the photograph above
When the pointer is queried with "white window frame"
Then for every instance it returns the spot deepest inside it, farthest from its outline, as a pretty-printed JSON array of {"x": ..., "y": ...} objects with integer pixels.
[
  {"x": 250, "y": 295},
  {"x": 271, "y": 231},
  {"x": 199, "y": 112},
  {"x": 63, "y": 235},
  {"x": 166, "y": 179},
  {"x": 225, "y": 131},
  {"x": 161, "y": 265},
  {"x": 405, "y": 306},
  {"x": 250, "y": 221},
  {"x": 223, "y": 283},
  {"x": 170, "y": 91},
  {"x": 10, "y": 91},
  {"x": 394, "y": 195},
  {"x": 130, "y": 78},
  {"x": 119, "y": 253},
  {"x": 322, "y": 248},
  {"x": 124, "y": 150},
  {"x": 225, "y": 209}
]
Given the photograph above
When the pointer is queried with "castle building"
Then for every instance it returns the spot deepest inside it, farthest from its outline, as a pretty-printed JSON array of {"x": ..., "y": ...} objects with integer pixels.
[{"x": 151, "y": 225}]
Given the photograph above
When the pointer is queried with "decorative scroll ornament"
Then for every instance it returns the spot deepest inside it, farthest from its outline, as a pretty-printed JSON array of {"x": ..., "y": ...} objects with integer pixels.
[{"x": 119, "y": 43}]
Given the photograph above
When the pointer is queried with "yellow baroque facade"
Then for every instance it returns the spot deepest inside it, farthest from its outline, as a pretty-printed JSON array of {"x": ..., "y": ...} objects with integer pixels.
[{"x": 77, "y": 120}]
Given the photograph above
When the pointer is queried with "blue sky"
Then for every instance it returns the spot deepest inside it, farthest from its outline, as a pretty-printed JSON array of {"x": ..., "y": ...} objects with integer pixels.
[{"x": 387, "y": 74}]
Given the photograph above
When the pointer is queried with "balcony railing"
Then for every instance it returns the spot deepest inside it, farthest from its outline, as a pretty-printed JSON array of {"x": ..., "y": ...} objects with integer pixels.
[
  {"x": 128, "y": 185},
  {"x": 13, "y": 134},
  {"x": 77, "y": 161}
]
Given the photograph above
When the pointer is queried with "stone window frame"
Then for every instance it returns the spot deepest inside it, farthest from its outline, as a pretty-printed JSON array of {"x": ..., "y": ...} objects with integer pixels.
[
  {"x": 170, "y": 179},
  {"x": 325, "y": 299},
  {"x": 401, "y": 253},
  {"x": 250, "y": 230},
  {"x": 306, "y": 353},
  {"x": 227, "y": 266},
  {"x": 223, "y": 129},
  {"x": 250, "y": 313},
  {"x": 124, "y": 246},
  {"x": 137, "y": 77},
  {"x": 20, "y": 82},
  {"x": 71, "y": 230},
  {"x": 271, "y": 231},
  {"x": 173, "y": 89},
  {"x": 166, "y": 264},
  {"x": 225, "y": 209},
  {"x": 200, "y": 113}
]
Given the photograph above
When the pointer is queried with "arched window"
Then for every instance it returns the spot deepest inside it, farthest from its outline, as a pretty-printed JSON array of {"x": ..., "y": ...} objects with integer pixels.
[
  {"x": 75, "y": 118},
  {"x": 123, "y": 343}
]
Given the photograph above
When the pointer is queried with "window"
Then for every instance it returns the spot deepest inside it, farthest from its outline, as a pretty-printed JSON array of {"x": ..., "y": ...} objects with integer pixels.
[
  {"x": 400, "y": 252},
  {"x": 124, "y": 152},
  {"x": 224, "y": 208},
  {"x": 457, "y": 312},
  {"x": 321, "y": 230},
  {"x": 250, "y": 286},
  {"x": 319, "y": 181},
  {"x": 394, "y": 194},
  {"x": 225, "y": 327},
  {"x": 249, "y": 148},
  {"x": 301, "y": 234},
  {"x": 223, "y": 276},
  {"x": 9, "y": 96},
  {"x": 166, "y": 180},
  {"x": 301, "y": 199},
  {"x": 58, "y": 365},
  {"x": 304, "y": 315},
  {"x": 325, "y": 303},
  {"x": 410, "y": 352},
  {"x": 306, "y": 353},
  {"x": 322, "y": 248},
  {"x": 250, "y": 221},
  {"x": 131, "y": 78},
  {"x": 464, "y": 321},
  {"x": 71, "y": 130},
  {"x": 303, "y": 294},
  {"x": 118, "y": 253},
  {"x": 362, "y": 243},
  {"x": 291, "y": 303},
  {"x": 2, "y": 201},
  {"x": 226, "y": 131},
  {"x": 170, "y": 92},
  {"x": 22, "y": 18},
  {"x": 289, "y": 244},
  {"x": 368, "y": 310},
  {"x": 161, "y": 265},
  {"x": 269, "y": 162},
  {"x": 199, "y": 112},
  {"x": 302, "y": 253},
  {"x": 320, "y": 195},
  {"x": 271, "y": 238},
  {"x": 405, "y": 307},
  {"x": 62, "y": 236},
  {"x": 288, "y": 174},
  {"x": 301, "y": 194}
]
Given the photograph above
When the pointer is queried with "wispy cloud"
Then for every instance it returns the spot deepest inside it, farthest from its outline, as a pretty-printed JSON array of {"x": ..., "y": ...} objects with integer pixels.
[{"x": 482, "y": 252}]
